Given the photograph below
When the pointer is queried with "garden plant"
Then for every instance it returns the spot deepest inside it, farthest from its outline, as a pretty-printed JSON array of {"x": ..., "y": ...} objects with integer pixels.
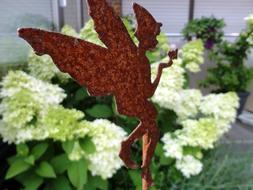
[
  {"x": 230, "y": 72},
  {"x": 209, "y": 29}
]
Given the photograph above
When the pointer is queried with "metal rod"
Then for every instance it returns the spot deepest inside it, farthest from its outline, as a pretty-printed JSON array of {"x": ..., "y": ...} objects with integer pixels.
[{"x": 145, "y": 184}]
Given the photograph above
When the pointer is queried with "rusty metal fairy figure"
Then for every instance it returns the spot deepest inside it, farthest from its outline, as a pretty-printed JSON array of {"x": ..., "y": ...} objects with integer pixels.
[{"x": 120, "y": 69}]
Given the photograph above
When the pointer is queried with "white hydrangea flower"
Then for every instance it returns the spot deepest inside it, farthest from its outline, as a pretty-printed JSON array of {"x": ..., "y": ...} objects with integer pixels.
[
  {"x": 189, "y": 166},
  {"x": 193, "y": 67},
  {"x": 25, "y": 101},
  {"x": 198, "y": 133},
  {"x": 188, "y": 103},
  {"x": 222, "y": 107},
  {"x": 43, "y": 68},
  {"x": 62, "y": 124},
  {"x": 172, "y": 147},
  {"x": 107, "y": 138},
  {"x": 44, "y": 93},
  {"x": 249, "y": 20},
  {"x": 24, "y": 97},
  {"x": 192, "y": 55},
  {"x": 172, "y": 80}
]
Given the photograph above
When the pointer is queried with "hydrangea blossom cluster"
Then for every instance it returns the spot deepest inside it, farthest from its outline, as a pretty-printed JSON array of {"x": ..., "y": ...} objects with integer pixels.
[
  {"x": 166, "y": 93},
  {"x": 202, "y": 133},
  {"x": 192, "y": 55},
  {"x": 107, "y": 137},
  {"x": 204, "y": 119},
  {"x": 203, "y": 130},
  {"x": 189, "y": 166},
  {"x": 62, "y": 124},
  {"x": 89, "y": 34},
  {"x": 26, "y": 102},
  {"x": 249, "y": 20},
  {"x": 221, "y": 107},
  {"x": 188, "y": 104},
  {"x": 43, "y": 68},
  {"x": 31, "y": 110}
]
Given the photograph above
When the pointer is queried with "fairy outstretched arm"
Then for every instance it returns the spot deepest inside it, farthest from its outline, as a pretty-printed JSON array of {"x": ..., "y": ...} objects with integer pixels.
[{"x": 172, "y": 55}]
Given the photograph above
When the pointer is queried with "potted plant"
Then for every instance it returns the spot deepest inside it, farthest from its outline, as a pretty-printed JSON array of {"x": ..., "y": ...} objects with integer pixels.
[
  {"x": 209, "y": 29},
  {"x": 231, "y": 73}
]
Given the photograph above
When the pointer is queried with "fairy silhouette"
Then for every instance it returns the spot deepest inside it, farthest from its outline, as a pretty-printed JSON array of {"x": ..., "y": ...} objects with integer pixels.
[{"x": 120, "y": 69}]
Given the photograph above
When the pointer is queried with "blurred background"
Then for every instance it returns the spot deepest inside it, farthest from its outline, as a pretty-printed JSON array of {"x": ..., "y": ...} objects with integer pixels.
[{"x": 225, "y": 28}]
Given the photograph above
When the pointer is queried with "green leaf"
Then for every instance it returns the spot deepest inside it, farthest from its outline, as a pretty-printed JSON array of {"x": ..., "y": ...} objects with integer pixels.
[
  {"x": 30, "y": 159},
  {"x": 45, "y": 170},
  {"x": 32, "y": 183},
  {"x": 89, "y": 186},
  {"x": 60, "y": 163},
  {"x": 77, "y": 173},
  {"x": 87, "y": 145},
  {"x": 39, "y": 150},
  {"x": 165, "y": 161},
  {"x": 29, "y": 180},
  {"x": 68, "y": 146},
  {"x": 81, "y": 94},
  {"x": 159, "y": 150},
  {"x": 22, "y": 149},
  {"x": 160, "y": 153},
  {"x": 17, "y": 167},
  {"x": 98, "y": 182},
  {"x": 60, "y": 183},
  {"x": 136, "y": 178},
  {"x": 100, "y": 111},
  {"x": 95, "y": 182},
  {"x": 12, "y": 159}
]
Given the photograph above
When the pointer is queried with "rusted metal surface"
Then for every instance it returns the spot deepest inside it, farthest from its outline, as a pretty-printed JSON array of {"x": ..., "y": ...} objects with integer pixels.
[{"x": 121, "y": 69}]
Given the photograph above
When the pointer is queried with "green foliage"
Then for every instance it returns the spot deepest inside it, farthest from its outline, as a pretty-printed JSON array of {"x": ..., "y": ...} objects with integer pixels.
[
  {"x": 228, "y": 78},
  {"x": 230, "y": 73},
  {"x": 100, "y": 111},
  {"x": 61, "y": 183},
  {"x": 77, "y": 173},
  {"x": 45, "y": 170},
  {"x": 52, "y": 167},
  {"x": 208, "y": 29},
  {"x": 39, "y": 150},
  {"x": 60, "y": 163},
  {"x": 95, "y": 183},
  {"x": 17, "y": 167},
  {"x": 224, "y": 168},
  {"x": 87, "y": 145},
  {"x": 30, "y": 181}
]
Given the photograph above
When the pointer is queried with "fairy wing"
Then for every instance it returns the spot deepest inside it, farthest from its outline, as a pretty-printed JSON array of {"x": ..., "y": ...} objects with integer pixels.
[
  {"x": 114, "y": 34},
  {"x": 87, "y": 63},
  {"x": 110, "y": 27}
]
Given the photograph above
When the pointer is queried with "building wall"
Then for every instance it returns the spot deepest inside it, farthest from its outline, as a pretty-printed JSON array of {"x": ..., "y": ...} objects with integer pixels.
[
  {"x": 173, "y": 14},
  {"x": 21, "y": 13},
  {"x": 70, "y": 13},
  {"x": 232, "y": 11},
  {"x": 16, "y": 13}
]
